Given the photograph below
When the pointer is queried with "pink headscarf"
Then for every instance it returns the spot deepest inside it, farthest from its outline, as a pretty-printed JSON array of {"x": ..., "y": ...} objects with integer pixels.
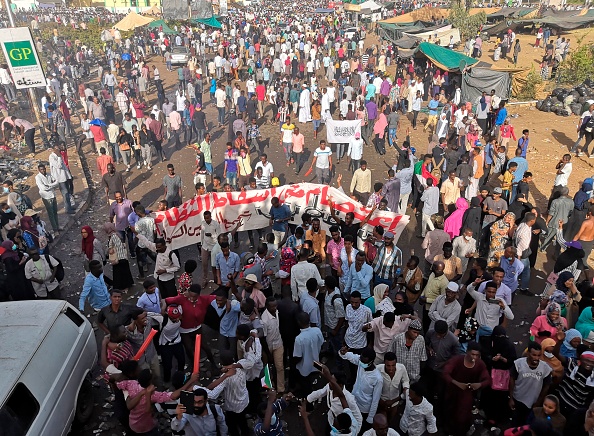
[{"x": 453, "y": 223}]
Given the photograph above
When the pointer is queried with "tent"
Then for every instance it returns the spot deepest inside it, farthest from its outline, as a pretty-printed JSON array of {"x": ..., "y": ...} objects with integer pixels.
[
  {"x": 132, "y": 21},
  {"x": 427, "y": 14},
  {"x": 211, "y": 22},
  {"x": 477, "y": 80},
  {"x": 154, "y": 11},
  {"x": 161, "y": 23},
  {"x": 444, "y": 58},
  {"x": 369, "y": 7}
]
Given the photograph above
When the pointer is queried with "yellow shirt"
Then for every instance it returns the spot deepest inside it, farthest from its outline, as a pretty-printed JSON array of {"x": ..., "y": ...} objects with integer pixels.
[
  {"x": 508, "y": 178},
  {"x": 435, "y": 287},
  {"x": 450, "y": 190}
]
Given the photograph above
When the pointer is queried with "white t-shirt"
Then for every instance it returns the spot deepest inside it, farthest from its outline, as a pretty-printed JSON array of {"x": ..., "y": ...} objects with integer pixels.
[
  {"x": 266, "y": 169},
  {"x": 323, "y": 161},
  {"x": 562, "y": 179},
  {"x": 251, "y": 86},
  {"x": 220, "y": 97}
]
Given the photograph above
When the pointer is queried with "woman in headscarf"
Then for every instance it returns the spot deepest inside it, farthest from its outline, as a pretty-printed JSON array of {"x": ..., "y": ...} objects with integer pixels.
[
  {"x": 547, "y": 325},
  {"x": 585, "y": 323},
  {"x": 548, "y": 345},
  {"x": 91, "y": 247},
  {"x": 566, "y": 284},
  {"x": 581, "y": 203},
  {"x": 568, "y": 349},
  {"x": 499, "y": 355},
  {"x": 30, "y": 234},
  {"x": 14, "y": 264},
  {"x": 519, "y": 207},
  {"x": 571, "y": 259},
  {"x": 380, "y": 304},
  {"x": 402, "y": 305},
  {"x": 473, "y": 218},
  {"x": 549, "y": 412},
  {"x": 501, "y": 232},
  {"x": 118, "y": 257},
  {"x": 287, "y": 262},
  {"x": 453, "y": 223}
]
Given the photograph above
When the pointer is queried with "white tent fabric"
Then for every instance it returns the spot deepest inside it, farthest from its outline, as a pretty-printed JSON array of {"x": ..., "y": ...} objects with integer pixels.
[
  {"x": 442, "y": 34},
  {"x": 369, "y": 6}
]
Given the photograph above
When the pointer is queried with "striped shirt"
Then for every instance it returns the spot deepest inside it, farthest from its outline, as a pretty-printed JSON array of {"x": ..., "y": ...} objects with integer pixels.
[
  {"x": 574, "y": 393},
  {"x": 234, "y": 392},
  {"x": 522, "y": 239},
  {"x": 385, "y": 264}
]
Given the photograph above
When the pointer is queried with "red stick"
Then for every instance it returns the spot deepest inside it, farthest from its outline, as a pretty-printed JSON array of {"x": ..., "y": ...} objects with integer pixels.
[
  {"x": 145, "y": 344},
  {"x": 197, "y": 354}
]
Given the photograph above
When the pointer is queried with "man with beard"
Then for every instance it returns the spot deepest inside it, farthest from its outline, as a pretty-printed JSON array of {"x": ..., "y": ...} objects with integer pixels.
[{"x": 206, "y": 419}]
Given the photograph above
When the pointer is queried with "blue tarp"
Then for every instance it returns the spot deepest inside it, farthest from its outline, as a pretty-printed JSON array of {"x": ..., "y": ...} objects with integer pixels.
[{"x": 323, "y": 11}]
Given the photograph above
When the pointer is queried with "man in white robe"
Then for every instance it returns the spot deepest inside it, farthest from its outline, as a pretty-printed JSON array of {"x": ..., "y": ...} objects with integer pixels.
[{"x": 304, "y": 105}]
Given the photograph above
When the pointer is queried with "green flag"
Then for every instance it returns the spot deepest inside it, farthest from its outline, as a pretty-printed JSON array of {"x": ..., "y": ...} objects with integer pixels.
[{"x": 266, "y": 380}]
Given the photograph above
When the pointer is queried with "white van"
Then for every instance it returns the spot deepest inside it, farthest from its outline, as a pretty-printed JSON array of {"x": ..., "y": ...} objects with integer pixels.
[{"x": 47, "y": 350}]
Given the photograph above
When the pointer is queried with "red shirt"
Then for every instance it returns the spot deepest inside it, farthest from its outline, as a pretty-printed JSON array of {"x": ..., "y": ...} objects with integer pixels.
[
  {"x": 261, "y": 92},
  {"x": 97, "y": 132},
  {"x": 193, "y": 313}
]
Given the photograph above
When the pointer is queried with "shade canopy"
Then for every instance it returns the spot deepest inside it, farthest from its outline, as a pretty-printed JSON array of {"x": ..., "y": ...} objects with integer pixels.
[
  {"x": 132, "y": 21},
  {"x": 445, "y": 58},
  {"x": 162, "y": 24},
  {"x": 154, "y": 10},
  {"x": 211, "y": 22}
]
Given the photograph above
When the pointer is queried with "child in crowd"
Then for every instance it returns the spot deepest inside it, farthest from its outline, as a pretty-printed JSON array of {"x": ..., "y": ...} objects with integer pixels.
[
  {"x": 499, "y": 160},
  {"x": 508, "y": 178},
  {"x": 185, "y": 279},
  {"x": 506, "y": 132}
]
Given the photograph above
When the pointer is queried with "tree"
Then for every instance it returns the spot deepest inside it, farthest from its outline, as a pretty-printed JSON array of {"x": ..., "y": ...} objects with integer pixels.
[
  {"x": 468, "y": 24},
  {"x": 578, "y": 65}
]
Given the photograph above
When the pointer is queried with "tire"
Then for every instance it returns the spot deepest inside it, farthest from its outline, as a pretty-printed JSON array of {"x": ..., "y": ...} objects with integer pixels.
[{"x": 84, "y": 402}]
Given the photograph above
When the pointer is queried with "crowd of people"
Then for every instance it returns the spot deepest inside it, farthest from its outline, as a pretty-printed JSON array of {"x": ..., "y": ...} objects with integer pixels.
[{"x": 389, "y": 342}]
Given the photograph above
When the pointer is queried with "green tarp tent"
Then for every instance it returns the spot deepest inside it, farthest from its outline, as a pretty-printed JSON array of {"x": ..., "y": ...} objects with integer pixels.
[
  {"x": 211, "y": 22},
  {"x": 445, "y": 58},
  {"x": 166, "y": 29}
]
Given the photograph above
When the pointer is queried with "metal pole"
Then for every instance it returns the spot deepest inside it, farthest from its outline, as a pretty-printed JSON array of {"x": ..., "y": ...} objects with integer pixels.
[{"x": 32, "y": 91}]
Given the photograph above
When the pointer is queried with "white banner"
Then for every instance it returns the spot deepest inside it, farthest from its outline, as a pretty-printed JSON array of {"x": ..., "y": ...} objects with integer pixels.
[
  {"x": 338, "y": 132},
  {"x": 223, "y": 8},
  {"x": 180, "y": 226}
]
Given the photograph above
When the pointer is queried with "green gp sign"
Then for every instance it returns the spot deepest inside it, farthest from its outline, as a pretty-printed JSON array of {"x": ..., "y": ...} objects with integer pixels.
[{"x": 20, "y": 53}]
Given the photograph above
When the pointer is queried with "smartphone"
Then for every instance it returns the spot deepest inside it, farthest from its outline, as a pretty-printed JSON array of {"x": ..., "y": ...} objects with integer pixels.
[
  {"x": 187, "y": 399},
  {"x": 493, "y": 300},
  {"x": 317, "y": 365}
]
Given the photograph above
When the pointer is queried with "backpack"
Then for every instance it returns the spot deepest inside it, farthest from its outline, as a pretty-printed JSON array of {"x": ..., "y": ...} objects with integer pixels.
[
  {"x": 60, "y": 267},
  {"x": 340, "y": 295}
]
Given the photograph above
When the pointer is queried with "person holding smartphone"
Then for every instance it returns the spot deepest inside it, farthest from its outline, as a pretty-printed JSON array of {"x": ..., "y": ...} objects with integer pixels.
[
  {"x": 194, "y": 413},
  {"x": 489, "y": 308}
]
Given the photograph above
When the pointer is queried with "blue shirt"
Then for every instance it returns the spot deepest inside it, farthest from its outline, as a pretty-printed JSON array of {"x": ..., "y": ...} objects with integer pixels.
[
  {"x": 512, "y": 272},
  {"x": 307, "y": 346},
  {"x": 230, "y": 319},
  {"x": 501, "y": 116},
  {"x": 96, "y": 290},
  {"x": 360, "y": 280},
  {"x": 242, "y": 103},
  {"x": 433, "y": 104},
  {"x": 227, "y": 266},
  {"x": 280, "y": 213},
  {"x": 488, "y": 153},
  {"x": 311, "y": 306},
  {"x": 522, "y": 168}
]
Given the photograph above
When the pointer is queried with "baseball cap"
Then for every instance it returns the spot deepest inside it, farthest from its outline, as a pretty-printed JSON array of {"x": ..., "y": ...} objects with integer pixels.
[
  {"x": 587, "y": 355},
  {"x": 497, "y": 191},
  {"x": 452, "y": 286},
  {"x": 389, "y": 235}
]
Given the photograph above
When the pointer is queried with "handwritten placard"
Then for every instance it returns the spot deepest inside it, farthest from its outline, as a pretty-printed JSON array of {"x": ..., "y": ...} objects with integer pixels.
[{"x": 180, "y": 226}]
